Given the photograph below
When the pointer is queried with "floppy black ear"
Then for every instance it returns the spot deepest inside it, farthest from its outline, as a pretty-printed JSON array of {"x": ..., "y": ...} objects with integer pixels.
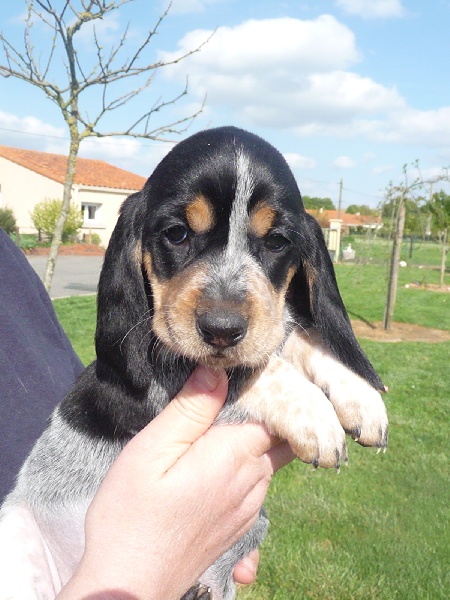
[
  {"x": 315, "y": 295},
  {"x": 124, "y": 302}
]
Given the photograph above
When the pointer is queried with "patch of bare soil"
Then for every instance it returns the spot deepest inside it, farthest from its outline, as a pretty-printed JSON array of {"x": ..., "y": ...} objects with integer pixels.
[
  {"x": 399, "y": 332},
  {"x": 431, "y": 287}
]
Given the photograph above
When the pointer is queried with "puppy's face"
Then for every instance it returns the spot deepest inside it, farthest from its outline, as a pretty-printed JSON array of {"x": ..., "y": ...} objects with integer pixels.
[{"x": 219, "y": 250}]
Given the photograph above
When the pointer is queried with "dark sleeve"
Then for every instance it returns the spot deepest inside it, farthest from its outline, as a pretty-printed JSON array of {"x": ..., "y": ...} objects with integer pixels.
[{"x": 38, "y": 365}]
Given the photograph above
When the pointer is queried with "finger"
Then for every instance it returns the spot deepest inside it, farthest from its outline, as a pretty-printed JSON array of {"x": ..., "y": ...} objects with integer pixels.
[
  {"x": 261, "y": 441},
  {"x": 246, "y": 569},
  {"x": 187, "y": 417},
  {"x": 280, "y": 455}
]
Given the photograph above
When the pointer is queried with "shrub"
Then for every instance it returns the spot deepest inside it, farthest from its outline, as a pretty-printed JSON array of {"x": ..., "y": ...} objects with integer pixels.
[
  {"x": 25, "y": 241},
  {"x": 92, "y": 238},
  {"x": 46, "y": 213},
  {"x": 8, "y": 220},
  {"x": 96, "y": 239}
]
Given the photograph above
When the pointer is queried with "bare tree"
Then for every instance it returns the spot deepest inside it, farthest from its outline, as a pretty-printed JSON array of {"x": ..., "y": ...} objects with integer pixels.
[
  {"x": 397, "y": 195},
  {"x": 439, "y": 207},
  {"x": 97, "y": 71}
]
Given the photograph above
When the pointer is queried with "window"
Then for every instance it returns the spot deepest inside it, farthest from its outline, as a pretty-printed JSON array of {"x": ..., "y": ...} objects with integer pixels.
[{"x": 91, "y": 213}]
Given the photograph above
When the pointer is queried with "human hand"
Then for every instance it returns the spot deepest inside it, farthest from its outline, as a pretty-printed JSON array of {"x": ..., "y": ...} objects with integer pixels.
[{"x": 178, "y": 496}]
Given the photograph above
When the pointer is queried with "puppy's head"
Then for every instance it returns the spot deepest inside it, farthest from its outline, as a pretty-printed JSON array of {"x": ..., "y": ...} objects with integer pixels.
[
  {"x": 220, "y": 247},
  {"x": 217, "y": 257}
]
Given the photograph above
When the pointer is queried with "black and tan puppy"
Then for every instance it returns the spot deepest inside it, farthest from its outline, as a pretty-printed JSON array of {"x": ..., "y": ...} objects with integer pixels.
[{"x": 215, "y": 262}]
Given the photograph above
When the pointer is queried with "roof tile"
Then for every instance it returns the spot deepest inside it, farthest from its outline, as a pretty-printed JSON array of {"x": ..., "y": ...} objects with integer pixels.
[
  {"x": 88, "y": 171},
  {"x": 348, "y": 219}
]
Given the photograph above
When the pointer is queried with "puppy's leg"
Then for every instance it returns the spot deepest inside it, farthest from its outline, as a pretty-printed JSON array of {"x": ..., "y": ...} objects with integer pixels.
[
  {"x": 359, "y": 407},
  {"x": 295, "y": 409},
  {"x": 219, "y": 577}
]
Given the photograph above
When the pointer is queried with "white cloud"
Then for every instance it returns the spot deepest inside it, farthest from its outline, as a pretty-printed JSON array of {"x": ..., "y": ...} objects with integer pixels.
[
  {"x": 344, "y": 162},
  {"x": 109, "y": 148},
  {"x": 297, "y": 161},
  {"x": 285, "y": 48},
  {"x": 420, "y": 127},
  {"x": 285, "y": 73},
  {"x": 32, "y": 133},
  {"x": 136, "y": 156},
  {"x": 370, "y": 9},
  {"x": 128, "y": 153}
]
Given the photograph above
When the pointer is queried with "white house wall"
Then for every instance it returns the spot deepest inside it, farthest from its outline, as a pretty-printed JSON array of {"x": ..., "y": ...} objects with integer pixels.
[
  {"x": 110, "y": 201},
  {"x": 21, "y": 189}
]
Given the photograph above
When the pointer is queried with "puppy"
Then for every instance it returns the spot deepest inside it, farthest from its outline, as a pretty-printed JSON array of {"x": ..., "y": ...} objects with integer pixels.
[{"x": 215, "y": 262}]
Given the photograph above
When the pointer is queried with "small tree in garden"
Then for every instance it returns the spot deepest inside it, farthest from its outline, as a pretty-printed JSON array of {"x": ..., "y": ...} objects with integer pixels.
[
  {"x": 93, "y": 83},
  {"x": 439, "y": 207},
  {"x": 398, "y": 195},
  {"x": 46, "y": 213}
]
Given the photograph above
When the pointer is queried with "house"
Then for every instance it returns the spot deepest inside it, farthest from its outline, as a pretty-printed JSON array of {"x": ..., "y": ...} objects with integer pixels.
[
  {"x": 28, "y": 177},
  {"x": 349, "y": 221}
]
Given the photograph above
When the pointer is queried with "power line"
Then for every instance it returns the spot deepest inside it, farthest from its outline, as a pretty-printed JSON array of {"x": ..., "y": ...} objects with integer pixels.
[
  {"x": 55, "y": 137},
  {"x": 360, "y": 193},
  {"x": 109, "y": 141},
  {"x": 100, "y": 140}
]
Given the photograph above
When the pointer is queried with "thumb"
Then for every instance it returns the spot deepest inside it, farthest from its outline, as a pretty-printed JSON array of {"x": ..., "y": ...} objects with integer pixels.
[{"x": 187, "y": 417}]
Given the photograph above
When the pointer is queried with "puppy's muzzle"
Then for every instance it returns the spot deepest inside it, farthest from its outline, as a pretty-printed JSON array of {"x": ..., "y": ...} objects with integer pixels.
[{"x": 221, "y": 329}]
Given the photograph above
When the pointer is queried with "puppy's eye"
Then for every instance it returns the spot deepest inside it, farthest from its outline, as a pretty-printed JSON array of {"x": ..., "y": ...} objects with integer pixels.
[
  {"x": 275, "y": 242},
  {"x": 176, "y": 235}
]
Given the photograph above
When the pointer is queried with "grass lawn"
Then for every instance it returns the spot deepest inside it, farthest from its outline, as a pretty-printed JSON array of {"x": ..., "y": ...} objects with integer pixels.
[
  {"x": 378, "y": 250},
  {"x": 363, "y": 288},
  {"x": 77, "y": 315},
  {"x": 379, "y": 530}
]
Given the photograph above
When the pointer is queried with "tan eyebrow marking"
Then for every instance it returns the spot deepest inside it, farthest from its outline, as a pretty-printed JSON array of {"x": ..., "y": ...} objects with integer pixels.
[
  {"x": 261, "y": 219},
  {"x": 200, "y": 214},
  {"x": 147, "y": 262}
]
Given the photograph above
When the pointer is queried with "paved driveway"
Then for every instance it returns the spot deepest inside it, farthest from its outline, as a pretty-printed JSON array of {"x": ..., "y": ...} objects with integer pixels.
[{"x": 73, "y": 276}]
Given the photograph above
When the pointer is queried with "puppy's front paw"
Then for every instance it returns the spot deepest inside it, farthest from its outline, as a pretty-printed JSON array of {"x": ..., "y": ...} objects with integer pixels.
[
  {"x": 296, "y": 410},
  {"x": 358, "y": 405},
  {"x": 314, "y": 431},
  {"x": 360, "y": 410}
]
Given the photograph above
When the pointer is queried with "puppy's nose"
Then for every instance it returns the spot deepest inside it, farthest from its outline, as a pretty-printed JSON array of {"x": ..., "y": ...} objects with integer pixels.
[{"x": 220, "y": 329}]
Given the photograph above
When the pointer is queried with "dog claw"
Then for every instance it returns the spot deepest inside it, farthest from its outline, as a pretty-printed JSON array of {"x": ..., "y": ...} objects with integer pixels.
[{"x": 198, "y": 592}]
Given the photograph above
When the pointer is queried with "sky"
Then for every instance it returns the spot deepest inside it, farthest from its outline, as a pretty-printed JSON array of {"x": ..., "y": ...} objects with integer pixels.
[{"x": 347, "y": 90}]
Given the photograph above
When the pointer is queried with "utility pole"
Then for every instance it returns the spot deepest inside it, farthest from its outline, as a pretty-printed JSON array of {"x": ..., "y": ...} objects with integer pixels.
[{"x": 340, "y": 199}]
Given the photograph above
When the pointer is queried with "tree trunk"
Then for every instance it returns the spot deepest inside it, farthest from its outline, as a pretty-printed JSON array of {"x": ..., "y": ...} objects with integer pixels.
[
  {"x": 60, "y": 223},
  {"x": 395, "y": 259},
  {"x": 443, "y": 257}
]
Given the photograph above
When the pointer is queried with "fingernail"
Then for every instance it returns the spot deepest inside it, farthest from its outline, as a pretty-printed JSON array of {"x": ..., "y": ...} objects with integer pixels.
[{"x": 206, "y": 380}]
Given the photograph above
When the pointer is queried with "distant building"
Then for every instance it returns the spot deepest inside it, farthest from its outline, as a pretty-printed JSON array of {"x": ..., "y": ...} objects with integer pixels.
[
  {"x": 349, "y": 222},
  {"x": 28, "y": 177}
]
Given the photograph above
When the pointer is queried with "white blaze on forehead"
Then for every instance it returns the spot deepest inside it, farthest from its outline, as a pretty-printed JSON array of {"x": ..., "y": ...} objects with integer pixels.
[{"x": 239, "y": 219}]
